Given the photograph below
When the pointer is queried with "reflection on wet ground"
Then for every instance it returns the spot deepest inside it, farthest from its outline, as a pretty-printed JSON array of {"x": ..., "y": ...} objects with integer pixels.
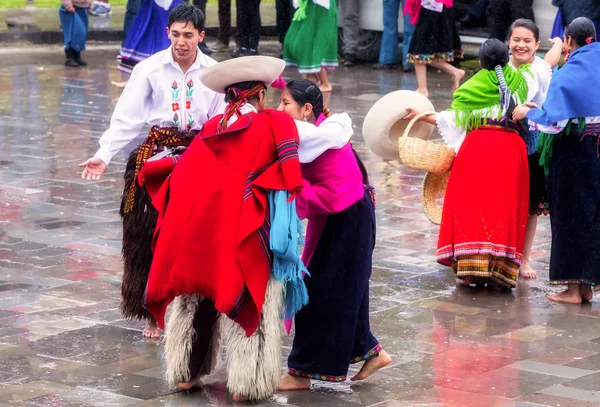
[{"x": 63, "y": 341}]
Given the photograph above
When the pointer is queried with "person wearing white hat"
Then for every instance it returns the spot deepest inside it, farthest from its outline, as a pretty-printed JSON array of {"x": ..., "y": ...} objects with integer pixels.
[
  {"x": 165, "y": 92},
  {"x": 227, "y": 240}
]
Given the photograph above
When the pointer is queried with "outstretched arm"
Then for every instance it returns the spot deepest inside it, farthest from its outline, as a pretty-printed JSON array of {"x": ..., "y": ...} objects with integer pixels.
[{"x": 552, "y": 57}]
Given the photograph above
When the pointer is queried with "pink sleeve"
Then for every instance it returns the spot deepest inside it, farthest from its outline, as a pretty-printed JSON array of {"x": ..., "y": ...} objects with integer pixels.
[{"x": 325, "y": 198}]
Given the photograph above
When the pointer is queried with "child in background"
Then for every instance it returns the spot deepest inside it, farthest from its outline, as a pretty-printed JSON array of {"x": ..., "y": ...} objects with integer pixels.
[{"x": 73, "y": 16}]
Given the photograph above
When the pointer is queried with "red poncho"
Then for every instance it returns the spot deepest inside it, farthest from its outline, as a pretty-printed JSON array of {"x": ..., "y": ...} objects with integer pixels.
[{"x": 213, "y": 236}]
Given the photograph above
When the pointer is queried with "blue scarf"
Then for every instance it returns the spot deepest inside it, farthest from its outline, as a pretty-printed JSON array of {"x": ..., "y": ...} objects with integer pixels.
[
  {"x": 285, "y": 238},
  {"x": 573, "y": 91}
]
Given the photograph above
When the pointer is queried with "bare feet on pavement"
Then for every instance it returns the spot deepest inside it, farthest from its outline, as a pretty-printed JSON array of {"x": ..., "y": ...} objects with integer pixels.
[
  {"x": 151, "y": 330},
  {"x": 120, "y": 85},
  {"x": 293, "y": 383},
  {"x": 372, "y": 365},
  {"x": 586, "y": 292},
  {"x": 527, "y": 272},
  {"x": 566, "y": 297},
  {"x": 325, "y": 89},
  {"x": 190, "y": 385}
]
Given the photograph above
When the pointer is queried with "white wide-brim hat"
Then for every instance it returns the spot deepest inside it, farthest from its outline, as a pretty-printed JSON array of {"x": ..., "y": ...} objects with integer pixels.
[
  {"x": 383, "y": 124},
  {"x": 253, "y": 68}
]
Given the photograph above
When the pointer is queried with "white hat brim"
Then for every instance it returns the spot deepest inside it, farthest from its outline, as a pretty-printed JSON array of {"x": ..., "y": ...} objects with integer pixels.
[
  {"x": 253, "y": 68},
  {"x": 384, "y": 122}
]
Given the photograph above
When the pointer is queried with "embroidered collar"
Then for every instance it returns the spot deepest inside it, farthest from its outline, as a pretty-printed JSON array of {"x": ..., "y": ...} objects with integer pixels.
[{"x": 200, "y": 62}]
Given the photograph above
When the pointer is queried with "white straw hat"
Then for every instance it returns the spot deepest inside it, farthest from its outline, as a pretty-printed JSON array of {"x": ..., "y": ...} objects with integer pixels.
[
  {"x": 253, "y": 68},
  {"x": 383, "y": 124}
]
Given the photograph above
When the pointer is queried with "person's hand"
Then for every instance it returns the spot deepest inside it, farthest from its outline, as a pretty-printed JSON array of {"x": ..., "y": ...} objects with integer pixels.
[
  {"x": 531, "y": 105},
  {"x": 93, "y": 169},
  {"x": 71, "y": 9},
  {"x": 520, "y": 112},
  {"x": 410, "y": 114},
  {"x": 556, "y": 40}
]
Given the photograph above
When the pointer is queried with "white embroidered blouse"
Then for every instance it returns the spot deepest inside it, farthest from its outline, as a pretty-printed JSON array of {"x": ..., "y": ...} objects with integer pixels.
[
  {"x": 333, "y": 133},
  {"x": 159, "y": 93}
]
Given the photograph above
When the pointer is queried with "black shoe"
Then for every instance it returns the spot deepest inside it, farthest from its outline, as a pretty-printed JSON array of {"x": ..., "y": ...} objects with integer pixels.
[
  {"x": 408, "y": 69},
  {"x": 77, "y": 58},
  {"x": 204, "y": 48},
  {"x": 349, "y": 60},
  {"x": 70, "y": 59},
  {"x": 244, "y": 52},
  {"x": 383, "y": 67}
]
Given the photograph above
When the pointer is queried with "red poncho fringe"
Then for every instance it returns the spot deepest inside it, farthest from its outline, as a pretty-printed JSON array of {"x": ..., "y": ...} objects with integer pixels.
[{"x": 212, "y": 237}]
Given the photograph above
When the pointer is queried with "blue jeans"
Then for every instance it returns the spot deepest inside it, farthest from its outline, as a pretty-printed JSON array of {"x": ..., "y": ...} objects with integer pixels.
[{"x": 389, "y": 42}]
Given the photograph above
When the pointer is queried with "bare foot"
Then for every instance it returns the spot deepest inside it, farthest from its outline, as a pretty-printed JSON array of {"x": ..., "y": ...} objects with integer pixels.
[
  {"x": 586, "y": 292},
  {"x": 119, "y": 84},
  {"x": 456, "y": 78},
  {"x": 313, "y": 77},
  {"x": 465, "y": 281},
  {"x": 567, "y": 297},
  {"x": 527, "y": 272},
  {"x": 190, "y": 385},
  {"x": 239, "y": 397},
  {"x": 293, "y": 383},
  {"x": 151, "y": 330},
  {"x": 372, "y": 365},
  {"x": 326, "y": 89},
  {"x": 423, "y": 92}
]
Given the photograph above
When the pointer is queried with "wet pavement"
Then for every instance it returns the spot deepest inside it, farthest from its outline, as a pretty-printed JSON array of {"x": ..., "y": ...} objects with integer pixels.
[{"x": 64, "y": 343}]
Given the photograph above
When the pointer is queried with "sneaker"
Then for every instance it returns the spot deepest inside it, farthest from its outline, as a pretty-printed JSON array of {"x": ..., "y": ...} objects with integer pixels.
[
  {"x": 101, "y": 9},
  {"x": 383, "y": 67},
  {"x": 244, "y": 52},
  {"x": 349, "y": 60},
  {"x": 220, "y": 47},
  {"x": 204, "y": 48}
]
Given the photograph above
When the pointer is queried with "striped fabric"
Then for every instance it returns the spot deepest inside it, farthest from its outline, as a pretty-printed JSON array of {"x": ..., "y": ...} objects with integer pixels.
[
  {"x": 498, "y": 269},
  {"x": 287, "y": 150}
]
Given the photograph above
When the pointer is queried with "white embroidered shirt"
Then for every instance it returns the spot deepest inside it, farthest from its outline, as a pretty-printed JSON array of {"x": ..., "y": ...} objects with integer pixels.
[{"x": 159, "y": 93}]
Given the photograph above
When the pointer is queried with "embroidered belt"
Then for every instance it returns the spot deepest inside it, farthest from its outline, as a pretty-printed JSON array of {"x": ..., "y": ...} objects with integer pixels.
[
  {"x": 511, "y": 126},
  {"x": 159, "y": 138}
]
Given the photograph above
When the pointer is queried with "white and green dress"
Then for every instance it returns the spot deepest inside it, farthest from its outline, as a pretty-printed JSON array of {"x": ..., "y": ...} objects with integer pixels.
[{"x": 311, "y": 42}]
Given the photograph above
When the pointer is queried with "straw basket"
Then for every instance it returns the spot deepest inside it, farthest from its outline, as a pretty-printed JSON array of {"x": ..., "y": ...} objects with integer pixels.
[
  {"x": 424, "y": 155},
  {"x": 432, "y": 193}
]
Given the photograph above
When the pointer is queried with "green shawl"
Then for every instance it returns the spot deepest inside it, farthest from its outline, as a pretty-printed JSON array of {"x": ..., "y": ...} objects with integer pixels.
[{"x": 475, "y": 101}]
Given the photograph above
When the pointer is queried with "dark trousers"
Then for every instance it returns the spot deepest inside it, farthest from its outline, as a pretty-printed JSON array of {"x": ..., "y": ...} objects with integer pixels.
[
  {"x": 133, "y": 6},
  {"x": 285, "y": 12},
  {"x": 503, "y": 12},
  {"x": 248, "y": 23}
]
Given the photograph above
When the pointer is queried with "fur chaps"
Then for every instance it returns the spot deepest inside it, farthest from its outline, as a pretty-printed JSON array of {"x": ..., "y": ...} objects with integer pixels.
[
  {"x": 254, "y": 363},
  {"x": 180, "y": 336},
  {"x": 138, "y": 230}
]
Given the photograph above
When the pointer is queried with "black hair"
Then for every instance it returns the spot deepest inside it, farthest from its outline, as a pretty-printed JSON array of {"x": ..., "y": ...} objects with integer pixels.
[
  {"x": 580, "y": 30},
  {"x": 528, "y": 25},
  {"x": 187, "y": 13},
  {"x": 229, "y": 94},
  {"x": 492, "y": 53},
  {"x": 304, "y": 91}
]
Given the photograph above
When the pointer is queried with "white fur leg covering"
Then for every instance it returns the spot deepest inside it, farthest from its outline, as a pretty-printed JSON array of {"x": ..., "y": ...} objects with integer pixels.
[
  {"x": 254, "y": 364},
  {"x": 179, "y": 337}
]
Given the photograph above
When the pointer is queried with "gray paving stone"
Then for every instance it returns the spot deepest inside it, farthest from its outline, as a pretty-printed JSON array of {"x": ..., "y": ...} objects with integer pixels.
[{"x": 551, "y": 370}]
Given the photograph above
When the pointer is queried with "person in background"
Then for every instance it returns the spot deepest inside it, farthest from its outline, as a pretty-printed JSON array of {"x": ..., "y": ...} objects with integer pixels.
[
  {"x": 201, "y": 4},
  {"x": 569, "y": 10},
  {"x": 133, "y": 6},
  {"x": 248, "y": 25},
  {"x": 388, "y": 55},
  {"x": 101, "y": 8},
  {"x": 351, "y": 30},
  {"x": 503, "y": 12},
  {"x": 475, "y": 13},
  {"x": 222, "y": 44},
  {"x": 285, "y": 13},
  {"x": 73, "y": 16}
]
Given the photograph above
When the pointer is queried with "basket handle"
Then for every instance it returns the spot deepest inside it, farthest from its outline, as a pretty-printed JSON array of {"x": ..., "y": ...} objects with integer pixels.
[{"x": 414, "y": 120}]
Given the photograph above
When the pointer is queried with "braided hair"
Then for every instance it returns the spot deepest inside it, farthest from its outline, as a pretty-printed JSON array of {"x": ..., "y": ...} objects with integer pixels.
[{"x": 304, "y": 91}]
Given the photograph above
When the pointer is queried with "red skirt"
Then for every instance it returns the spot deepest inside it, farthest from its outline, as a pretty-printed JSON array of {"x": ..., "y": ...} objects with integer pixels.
[{"x": 485, "y": 212}]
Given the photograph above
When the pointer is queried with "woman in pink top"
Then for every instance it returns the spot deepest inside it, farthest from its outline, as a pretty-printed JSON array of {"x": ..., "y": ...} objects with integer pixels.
[{"x": 332, "y": 331}]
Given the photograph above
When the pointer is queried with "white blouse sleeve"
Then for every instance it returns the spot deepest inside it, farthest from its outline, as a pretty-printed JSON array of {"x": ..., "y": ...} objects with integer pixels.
[
  {"x": 542, "y": 75},
  {"x": 334, "y": 133},
  {"x": 129, "y": 117},
  {"x": 452, "y": 135}
]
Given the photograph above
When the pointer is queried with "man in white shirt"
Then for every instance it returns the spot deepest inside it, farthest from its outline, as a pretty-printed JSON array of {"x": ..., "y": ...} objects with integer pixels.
[{"x": 165, "y": 92}]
